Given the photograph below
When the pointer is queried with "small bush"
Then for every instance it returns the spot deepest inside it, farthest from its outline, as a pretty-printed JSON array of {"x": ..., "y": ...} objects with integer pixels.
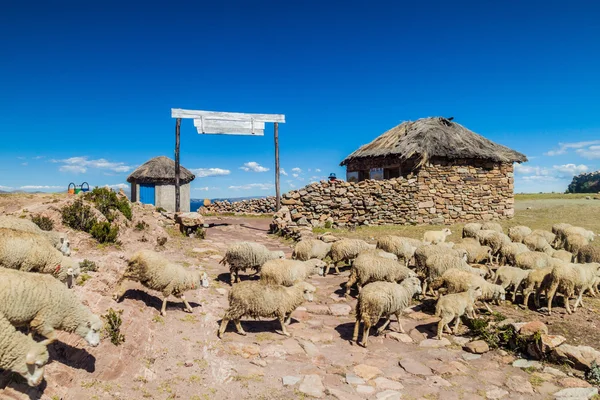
[
  {"x": 160, "y": 209},
  {"x": 45, "y": 223},
  {"x": 112, "y": 326},
  {"x": 81, "y": 279},
  {"x": 104, "y": 232},
  {"x": 88, "y": 265},
  {"x": 328, "y": 224},
  {"x": 78, "y": 216},
  {"x": 592, "y": 375},
  {"x": 141, "y": 225},
  {"x": 107, "y": 201}
]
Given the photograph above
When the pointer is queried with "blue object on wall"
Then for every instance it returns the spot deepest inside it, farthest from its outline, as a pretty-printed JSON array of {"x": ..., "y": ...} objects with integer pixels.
[{"x": 147, "y": 194}]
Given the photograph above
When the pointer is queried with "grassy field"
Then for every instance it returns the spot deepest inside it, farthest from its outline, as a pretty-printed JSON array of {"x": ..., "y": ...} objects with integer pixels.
[{"x": 536, "y": 211}]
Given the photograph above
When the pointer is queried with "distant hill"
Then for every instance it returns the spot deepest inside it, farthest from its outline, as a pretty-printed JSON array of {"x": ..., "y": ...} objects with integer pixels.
[{"x": 585, "y": 183}]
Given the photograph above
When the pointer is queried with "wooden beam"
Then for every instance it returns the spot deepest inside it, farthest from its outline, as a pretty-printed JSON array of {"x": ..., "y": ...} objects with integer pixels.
[
  {"x": 222, "y": 126},
  {"x": 277, "y": 194},
  {"x": 232, "y": 131},
  {"x": 177, "y": 167},
  {"x": 181, "y": 113}
]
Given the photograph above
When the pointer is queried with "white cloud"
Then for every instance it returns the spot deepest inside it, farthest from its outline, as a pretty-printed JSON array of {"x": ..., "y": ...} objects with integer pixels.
[
  {"x": 39, "y": 187},
  {"x": 254, "y": 167},
  {"x": 261, "y": 186},
  {"x": 295, "y": 175},
  {"x": 205, "y": 172},
  {"x": 205, "y": 188},
  {"x": 77, "y": 169},
  {"x": 291, "y": 184},
  {"x": 21, "y": 158},
  {"x": 282, "y": 172},
  {"x": 118, "y": 186},
  {"x": 80, "y": 164},
  {"x": 298, "y": 170},
  {"x": 556, "y": 173},
  {"x": 578, "y": 146},
  {"x": 24, "y": 164},
  {"x": 202, "y": 188},
  {"x": 38, "y": 157},
  {"x": 5, "y": 187},
  {"x": 591, "y": 152},
  {"x": 317, "y": 170},
  {"x": 571, "y": 169}
]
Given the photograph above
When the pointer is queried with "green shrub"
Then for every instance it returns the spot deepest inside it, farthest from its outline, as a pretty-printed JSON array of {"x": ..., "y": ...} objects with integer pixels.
[
  {"x": 160, "y": 209},
  {"x": 107, "y": 201},
  {"x": 328, "y": 224},
  {"x": 81, "y": 279},
  {"x": 112, "y": 326},
  {"x": 141, "y": 225},
  {"x": 592, "y": 375},
  {"x": 78, "y": 216},
  {"x": 104, "y": 232},
  {"x": 88, "y": 265},
  {"x": 45, "y": 223}
]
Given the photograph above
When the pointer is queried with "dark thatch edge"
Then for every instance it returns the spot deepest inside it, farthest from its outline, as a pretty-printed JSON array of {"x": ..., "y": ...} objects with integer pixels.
[
  {"x": 435, "y": 137},
  {"x": 160, "y": 170}
]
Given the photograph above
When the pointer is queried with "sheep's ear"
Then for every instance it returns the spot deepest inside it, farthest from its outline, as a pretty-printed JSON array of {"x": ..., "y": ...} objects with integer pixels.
[{"x": 30, "y": 357}]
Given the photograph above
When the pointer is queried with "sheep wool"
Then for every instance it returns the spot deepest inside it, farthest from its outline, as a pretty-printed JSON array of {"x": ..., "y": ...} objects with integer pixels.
[
  {"x": 403, "y": 248},
  {"x": 537, "y": 280},
  {"x": 440, "y": 263},
  {"x": 492, "y": 226},
  {"x": 574, "y": 242},
  {"x": 571, "y": 279},
  {"x": 457, "y": 281},
  {"x": 588, "y": 254},
  {"x": 549, "y": 236},
  {"x": 495, "y": 240},
  {"x": 57, "y": 239},
  {"x": 45, "y": 305},
  {"x": 424, "y": 252},
  {"x": 453, "y": 306},
  {"x": 564, "y": 255},
  {"x": 511, "y": 277},
  {"x": 21, "y": 354},
  {"x": 533, "y": 260},
  {"x": 509, "y": 251},
  {"x": 471, "y": 229},
  {"x": 289, "y": 272},
  {"x": 476, "y": 254},
  {"x": 26, "y": 251},
  {"x": 536, "y": 242},
  {"x": 518, "y": 233},
  {"x": 383, "y": 299},
  {"x": 243, "y": 255},
  {"x": 258, "y": 300},
  {"x": 346, "y": 250},
  {"x": 372, "y": 268},
  {"x": 311, "y": 248},
  {"x": 155, "y": 272}
]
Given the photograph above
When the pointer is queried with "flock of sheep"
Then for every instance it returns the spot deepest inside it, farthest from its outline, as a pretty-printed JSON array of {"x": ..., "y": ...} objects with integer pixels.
[
  {"x": 482, "y": 267},
  {"x": 36, "y": 274}
]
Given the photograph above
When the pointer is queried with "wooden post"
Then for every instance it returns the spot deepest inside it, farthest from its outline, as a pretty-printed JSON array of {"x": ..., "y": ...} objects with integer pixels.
[
  {"x": 277, "y": 199},
  {"x": 177, "y": 199}
]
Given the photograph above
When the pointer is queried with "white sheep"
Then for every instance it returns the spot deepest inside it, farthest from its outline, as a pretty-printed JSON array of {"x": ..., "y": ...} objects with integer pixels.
[
  {"x": 559, "y": 228},
  {"x": 476, "y": 254},
  {"x": 536, "y": 242},
  {"x": 518, "y": 233},
  {"x": 404, "y": 248},
  {"x": 26, "y": 251},
  {"x": 378, "y": 253},
  {"x": 455, "y": 305},
  {"x": 471, "y": 229},
  {"x": 509, "y": 251},
  {"x": 383, "y": 299},
  {"x": 21, "y": 354},
  {"x": 457, "y": 281},
  {"x": 440, "y": 263},
  {"x": 243, "y": 255},
  {"x": 549, "y": 236},
  {"x": 495, "y": 240},
  {"x": 563, "y": 234},
  {"x": 534, "y": 260},
  {"x": 492, "y": 226},
  {"x": 435, "y": 237},
  {"x": 311, "y": 248},
  {"x": 588, "y": 254},
  {"x": 289, "y": 272},
  {"x": 346, "y": 250},
  {"x": 44, "y": 304},
  {"x": 511, "y": 277},
  {"x": 537, "y": 280},
  {"x": 255, "y": 299},
  {"x": 58, "y": 240},
  {"x": 571, "y": 279},
  {"x": 372, "y": 268},
  {"x": 563, "y": 255},
  {"x": 573, "y": 242},
  {"x": 424, "y": 252},
  {"x": 155, "y": 272}
]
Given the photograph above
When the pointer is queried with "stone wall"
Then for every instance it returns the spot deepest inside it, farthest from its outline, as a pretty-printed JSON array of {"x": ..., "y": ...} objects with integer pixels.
[
  {"x": 443, "y": 193},
  {"x": 250, "y": 206}
]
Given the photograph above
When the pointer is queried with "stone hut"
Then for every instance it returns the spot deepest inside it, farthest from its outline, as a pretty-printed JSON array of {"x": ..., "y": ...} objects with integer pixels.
[
  {"x": 154, "y": 183},
  {"x": 432, "y": 146}
]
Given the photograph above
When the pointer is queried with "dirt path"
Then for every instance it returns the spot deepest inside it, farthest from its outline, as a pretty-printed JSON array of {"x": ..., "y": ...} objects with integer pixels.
[{"x": 180, "y": 356}]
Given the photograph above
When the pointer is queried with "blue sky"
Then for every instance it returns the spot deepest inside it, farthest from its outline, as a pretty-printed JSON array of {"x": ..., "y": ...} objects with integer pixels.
[{"x": 86, "y": 88}]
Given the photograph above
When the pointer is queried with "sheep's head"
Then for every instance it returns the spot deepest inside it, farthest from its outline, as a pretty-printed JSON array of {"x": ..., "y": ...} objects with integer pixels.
[
  {"x": 413, "y": 284},
  {"x": 318, "y": 266},
  {"x": 278, "y": 254},
  {"x": 308, "y": 291},
  {"x": 90, "y": 329},
  {"x": 65, "y": 245},
  {"x": 67, "y": 271},
  {"x": 500, "y": 293},
  {"x": 35, "y": 362},
  {"x": 447, "y": 231}
]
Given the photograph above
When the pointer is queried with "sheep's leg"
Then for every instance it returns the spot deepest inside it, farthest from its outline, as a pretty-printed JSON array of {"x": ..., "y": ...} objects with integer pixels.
[
  {"x": 440, "y": 329},
  {"x": 163, "y": 309},
  {"x": 456, "y": 324},
  {"x": 400, "y": 327},
  {"x": 365, "y": 338},
  {"x": 38, "y": 325},
  {"x": 350, "y": 283},
  {"x": 579, "y": 300},
  {"x": 223, "y": 326},
  {"x": 187, "y": 307},
  {"x": 282, "y": 322},
  {"x": 359, "y": 287},
  {"x": 121, "y": 286},
  {"x": 327, "y": 268},
  {"x": 424, "y": 288},
  {"x": 550, "y": 295},
  {"x": 567, "y": 305},
  {"x": 231, "y": 277},
  {"x": 385, "y": 325},
  {"x": 488, "y": 307},
  {"x": 356, "y": 327},
  {"x": 288, "y": 319}
]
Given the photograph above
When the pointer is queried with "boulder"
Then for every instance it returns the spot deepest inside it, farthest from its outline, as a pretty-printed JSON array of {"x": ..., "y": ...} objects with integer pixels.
[
  {"x": 477, "y": 347},
  {"x": 580, "y": 356}
]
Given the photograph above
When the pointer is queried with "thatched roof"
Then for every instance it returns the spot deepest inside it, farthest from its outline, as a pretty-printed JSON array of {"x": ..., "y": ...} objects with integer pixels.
[
  {"x": 160, "y": 170},
  {"x": 435, "y": 137}
]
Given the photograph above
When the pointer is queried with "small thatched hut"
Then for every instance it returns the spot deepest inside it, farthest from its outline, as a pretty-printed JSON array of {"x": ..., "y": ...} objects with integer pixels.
[
  {"x": 154, "y": 183},
  {"x": 415, "y": 146}
]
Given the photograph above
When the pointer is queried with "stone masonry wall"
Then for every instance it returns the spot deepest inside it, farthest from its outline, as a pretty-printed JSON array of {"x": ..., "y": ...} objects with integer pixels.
[{"x": 443, "y": 192}]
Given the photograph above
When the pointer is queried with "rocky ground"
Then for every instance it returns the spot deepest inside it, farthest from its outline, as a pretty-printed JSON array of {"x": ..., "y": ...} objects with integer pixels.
[{"x": 180, "y": 357}]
